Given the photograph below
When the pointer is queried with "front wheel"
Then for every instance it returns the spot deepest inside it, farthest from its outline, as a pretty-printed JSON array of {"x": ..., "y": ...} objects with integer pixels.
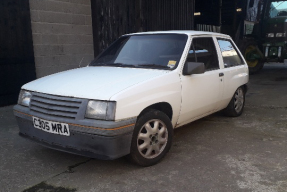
[
  {"x": 152, "y": 138},
  {"x": 236, "y": 104}
]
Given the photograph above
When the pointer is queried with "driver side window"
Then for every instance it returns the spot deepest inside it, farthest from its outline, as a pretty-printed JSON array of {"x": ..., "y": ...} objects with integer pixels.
[{"x": 203, "y": 50}]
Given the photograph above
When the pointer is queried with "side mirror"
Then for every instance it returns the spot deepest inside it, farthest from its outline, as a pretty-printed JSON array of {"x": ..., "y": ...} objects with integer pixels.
[{"x": 193, "y": 68}]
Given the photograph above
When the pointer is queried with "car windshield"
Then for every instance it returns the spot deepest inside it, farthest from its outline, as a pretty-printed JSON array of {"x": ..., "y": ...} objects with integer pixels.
[
  {"x": 157, "y": 51},
  {"x": 277, "y": 9}
]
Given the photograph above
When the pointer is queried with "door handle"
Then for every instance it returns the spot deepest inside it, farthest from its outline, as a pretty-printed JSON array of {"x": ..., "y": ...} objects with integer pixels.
[{"x": 221, "y": 74}]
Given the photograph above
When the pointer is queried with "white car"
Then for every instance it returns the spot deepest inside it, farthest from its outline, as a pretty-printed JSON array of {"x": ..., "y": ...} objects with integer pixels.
[{"x": 131, "y": 97}]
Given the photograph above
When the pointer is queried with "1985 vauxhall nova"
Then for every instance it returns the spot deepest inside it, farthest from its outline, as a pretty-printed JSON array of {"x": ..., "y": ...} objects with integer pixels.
[{"x": 131, "y": 97}]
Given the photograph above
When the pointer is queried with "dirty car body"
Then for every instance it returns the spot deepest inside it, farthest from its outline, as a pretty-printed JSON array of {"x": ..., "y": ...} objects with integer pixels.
[{"x": 128, "y": 98}]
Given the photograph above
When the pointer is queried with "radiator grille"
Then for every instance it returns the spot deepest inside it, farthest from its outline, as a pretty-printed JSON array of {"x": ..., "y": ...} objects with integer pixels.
[{"x": 55, "y": 106}]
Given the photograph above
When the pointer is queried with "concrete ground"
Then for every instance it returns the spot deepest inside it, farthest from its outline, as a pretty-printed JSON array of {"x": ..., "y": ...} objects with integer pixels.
[{"x": 217, "y": 153}]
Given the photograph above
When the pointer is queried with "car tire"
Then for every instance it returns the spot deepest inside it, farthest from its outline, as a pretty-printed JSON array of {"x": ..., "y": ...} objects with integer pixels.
[
  {"x": 236, "y": 104},
  {"x": 152, "y": 138}
]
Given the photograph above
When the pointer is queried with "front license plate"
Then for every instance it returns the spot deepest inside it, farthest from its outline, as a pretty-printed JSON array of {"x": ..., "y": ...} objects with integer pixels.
[{"x": 51, "y": 127}]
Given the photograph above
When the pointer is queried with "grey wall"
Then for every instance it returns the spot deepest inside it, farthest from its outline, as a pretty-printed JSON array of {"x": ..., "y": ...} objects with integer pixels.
[{"x": 62, "y": 34}]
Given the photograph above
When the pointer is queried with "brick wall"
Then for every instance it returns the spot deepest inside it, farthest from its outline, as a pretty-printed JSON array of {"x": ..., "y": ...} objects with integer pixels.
[{"x": 62, "y": 34}]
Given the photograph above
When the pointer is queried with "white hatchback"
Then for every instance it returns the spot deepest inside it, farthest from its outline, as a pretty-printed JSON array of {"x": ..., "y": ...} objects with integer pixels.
[{"x": 131, "y": 97}]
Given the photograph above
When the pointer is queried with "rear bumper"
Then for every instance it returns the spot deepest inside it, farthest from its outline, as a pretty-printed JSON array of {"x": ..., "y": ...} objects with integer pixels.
[{"x": 95, "y": 142}]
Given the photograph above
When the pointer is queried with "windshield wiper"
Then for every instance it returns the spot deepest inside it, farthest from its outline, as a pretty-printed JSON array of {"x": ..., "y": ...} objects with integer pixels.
[
  {"x": 154, "y": 66},
  {"x": 114, "y": 64}
]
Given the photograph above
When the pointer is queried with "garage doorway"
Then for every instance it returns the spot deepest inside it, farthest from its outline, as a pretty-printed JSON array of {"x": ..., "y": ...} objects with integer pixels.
[{"x": 17, "y": 65}]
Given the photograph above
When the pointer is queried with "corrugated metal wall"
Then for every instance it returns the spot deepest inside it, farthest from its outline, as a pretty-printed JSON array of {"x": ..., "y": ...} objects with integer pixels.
[
  {"x": 167, "y": 14},
  {"x": 113, "y": 18}
]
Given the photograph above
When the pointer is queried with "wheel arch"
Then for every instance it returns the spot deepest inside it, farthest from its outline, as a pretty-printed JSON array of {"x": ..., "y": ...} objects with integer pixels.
[
  {"x": 164, "y": 107},
  {"x": 245, "y": 88}
]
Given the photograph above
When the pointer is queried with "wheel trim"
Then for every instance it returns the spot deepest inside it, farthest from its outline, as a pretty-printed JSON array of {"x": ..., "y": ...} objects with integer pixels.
[
  {"x": 152, "y": 139},
  {"x": 238, "y": 100},
  {"x": 248, "y": 51}
]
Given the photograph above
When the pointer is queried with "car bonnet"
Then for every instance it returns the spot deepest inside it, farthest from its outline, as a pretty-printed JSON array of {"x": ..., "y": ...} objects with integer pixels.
[{"x": 92, "y": 82}]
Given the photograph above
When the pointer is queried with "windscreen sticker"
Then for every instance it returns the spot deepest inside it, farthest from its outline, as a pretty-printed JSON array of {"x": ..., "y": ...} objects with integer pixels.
[{"x": 171, "y": 63}]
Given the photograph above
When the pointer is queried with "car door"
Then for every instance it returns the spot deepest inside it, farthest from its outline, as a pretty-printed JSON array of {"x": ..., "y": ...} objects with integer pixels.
[{"x": 201, "y": 93}]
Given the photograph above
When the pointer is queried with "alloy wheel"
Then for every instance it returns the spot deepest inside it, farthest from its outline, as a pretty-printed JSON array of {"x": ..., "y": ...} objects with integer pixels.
[
  {"x": 152, "y": 138},
  {"x": 238, "y": 100}
]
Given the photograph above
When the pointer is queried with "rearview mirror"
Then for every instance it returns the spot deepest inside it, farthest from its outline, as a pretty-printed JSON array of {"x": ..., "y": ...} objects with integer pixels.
[{"x": 193, "y": 68}]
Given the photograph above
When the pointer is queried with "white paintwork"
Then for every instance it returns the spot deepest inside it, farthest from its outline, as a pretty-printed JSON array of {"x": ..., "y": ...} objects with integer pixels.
[
  {"x": 92, "y": 82},
  {"x": 233, "y": 78},
  {"x": 190, "y": 97},
  {"x": 201, "y": 94},
  {"x": 165, "y": 88},
  {"x": 187, "y": 32}
]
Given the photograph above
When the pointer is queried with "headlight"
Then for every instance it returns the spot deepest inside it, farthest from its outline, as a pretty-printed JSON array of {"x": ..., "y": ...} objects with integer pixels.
[
  {"x": 270, "y": 35},
  {"x": 280, "y": 34},
  {"x": 104, "y": 110},
  {"x": 24, "y": 98}
]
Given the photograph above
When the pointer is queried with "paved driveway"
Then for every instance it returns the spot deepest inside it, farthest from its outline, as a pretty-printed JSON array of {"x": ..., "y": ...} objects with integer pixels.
[{"x": 217, "y": 153}]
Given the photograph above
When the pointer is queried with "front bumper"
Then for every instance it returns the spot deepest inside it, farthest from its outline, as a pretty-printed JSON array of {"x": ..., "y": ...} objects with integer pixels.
[{"x": 111, "y": 141}]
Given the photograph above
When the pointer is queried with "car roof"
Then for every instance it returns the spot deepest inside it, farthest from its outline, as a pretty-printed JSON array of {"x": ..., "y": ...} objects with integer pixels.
[{"x": 187, "y": 32}]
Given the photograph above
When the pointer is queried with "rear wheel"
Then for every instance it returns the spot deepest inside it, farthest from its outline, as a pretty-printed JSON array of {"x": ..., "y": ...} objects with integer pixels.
[
  {"x": 236, "y": 105},
  {"x": 152, "y": 138},
  {"x": 253, "y": 56}
]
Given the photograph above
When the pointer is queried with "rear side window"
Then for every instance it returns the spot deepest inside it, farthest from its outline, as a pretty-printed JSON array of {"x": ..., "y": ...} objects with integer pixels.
[
  {"x": 203, "y": 50},
  {"x": 229, "y": 53}
]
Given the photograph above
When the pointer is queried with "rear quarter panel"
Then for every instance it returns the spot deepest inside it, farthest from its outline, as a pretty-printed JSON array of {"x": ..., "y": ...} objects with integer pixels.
[{"x": 234, "y": 77}]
